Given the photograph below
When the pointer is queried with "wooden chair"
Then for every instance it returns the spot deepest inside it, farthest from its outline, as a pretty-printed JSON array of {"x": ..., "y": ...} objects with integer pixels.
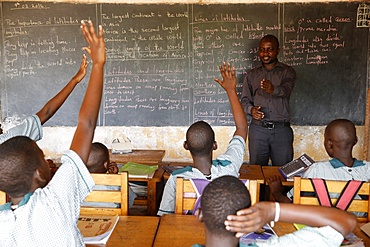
[
  {"x": 108, "y": 196},
  {"x": 186, "y": 194},
  {"x": 2, "y": 197},
  {"x": 304, "y": 185}
]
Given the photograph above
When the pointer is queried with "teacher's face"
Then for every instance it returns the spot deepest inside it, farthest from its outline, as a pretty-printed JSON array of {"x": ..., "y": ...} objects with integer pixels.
[{"x": 268, "y": 51}]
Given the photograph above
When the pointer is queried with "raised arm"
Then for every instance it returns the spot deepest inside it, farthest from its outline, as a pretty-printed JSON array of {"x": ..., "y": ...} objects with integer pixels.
[
  {"x": 229, "y": 84},
  {"x": 89, "y": 111},
  {"x": 253, "y": 218},
  {"x": 52, "y": 106}
]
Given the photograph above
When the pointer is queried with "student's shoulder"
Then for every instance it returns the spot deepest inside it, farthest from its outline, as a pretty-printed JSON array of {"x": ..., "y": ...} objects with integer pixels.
[{"x": 182, "y": 171}]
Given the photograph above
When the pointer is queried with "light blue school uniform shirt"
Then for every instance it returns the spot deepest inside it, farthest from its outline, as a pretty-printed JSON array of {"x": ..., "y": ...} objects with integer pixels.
[
  {"x": 30, "y": 127},
  {"x": 227, "y": 163},
  {"x": 48, "y": 216}
]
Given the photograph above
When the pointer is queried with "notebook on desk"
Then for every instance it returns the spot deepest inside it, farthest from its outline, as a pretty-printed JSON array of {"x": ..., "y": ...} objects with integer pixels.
[{"x": 296, "y": 167}]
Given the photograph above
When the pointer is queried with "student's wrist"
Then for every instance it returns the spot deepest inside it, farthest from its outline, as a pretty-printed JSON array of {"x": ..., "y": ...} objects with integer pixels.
[{"x": 276, "y": 215}]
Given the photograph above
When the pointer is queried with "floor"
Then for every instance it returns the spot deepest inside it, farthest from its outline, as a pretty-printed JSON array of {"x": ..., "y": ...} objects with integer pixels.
[{"x": 138, "y": 210}]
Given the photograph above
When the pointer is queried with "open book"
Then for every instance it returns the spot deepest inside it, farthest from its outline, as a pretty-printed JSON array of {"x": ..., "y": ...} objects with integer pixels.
[
  {"x": 259, "y": 236},
  {"x": 97, "y": 229},
  {"x": 136, "y": 170}
]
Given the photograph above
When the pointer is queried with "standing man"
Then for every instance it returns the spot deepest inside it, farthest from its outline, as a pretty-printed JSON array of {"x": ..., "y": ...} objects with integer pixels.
[{"x": 265, "y": 96}]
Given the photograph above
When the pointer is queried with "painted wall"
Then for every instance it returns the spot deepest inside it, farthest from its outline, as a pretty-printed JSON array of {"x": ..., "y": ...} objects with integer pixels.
[{"x": 308, "y": 139}]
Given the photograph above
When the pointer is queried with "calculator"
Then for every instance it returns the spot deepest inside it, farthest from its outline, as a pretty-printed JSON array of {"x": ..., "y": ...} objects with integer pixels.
[{"x": 296, "y": 166}]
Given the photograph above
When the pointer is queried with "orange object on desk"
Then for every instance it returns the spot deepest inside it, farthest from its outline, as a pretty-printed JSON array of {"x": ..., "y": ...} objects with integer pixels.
[{"x": 133, "y": 231}]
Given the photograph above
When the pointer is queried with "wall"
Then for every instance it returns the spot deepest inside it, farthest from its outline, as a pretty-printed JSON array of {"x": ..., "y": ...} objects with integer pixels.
[{"x": 308, "y": 139}]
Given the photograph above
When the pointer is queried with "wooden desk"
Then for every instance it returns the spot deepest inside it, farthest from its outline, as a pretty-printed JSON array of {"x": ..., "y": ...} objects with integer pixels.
[
  {"x": 186, "y": 230},
  {"x": 179, "y": 230},
  {"x": 133, "y": 231},
  {"x": 269, "y": 171},
  {"x": 252, "y": 172},
  {"x": 154, "y": 192},
  {"x": 140, "y": 156},
  {"x": 148, "y": 157}
]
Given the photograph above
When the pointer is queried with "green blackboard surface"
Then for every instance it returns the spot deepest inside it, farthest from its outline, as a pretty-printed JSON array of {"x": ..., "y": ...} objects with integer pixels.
[{"x": 162, "y": 59}]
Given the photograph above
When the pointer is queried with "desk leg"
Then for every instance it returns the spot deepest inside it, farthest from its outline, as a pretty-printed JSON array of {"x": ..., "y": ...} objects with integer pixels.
[
  {"x": 155, "y": 191},
  {"x": 151, "y": 200}
]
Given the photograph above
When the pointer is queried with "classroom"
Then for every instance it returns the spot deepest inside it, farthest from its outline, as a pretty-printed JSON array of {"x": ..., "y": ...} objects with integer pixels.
[
  {"x": 162, "y": 58},
  {"x": 168, "y": 132}
]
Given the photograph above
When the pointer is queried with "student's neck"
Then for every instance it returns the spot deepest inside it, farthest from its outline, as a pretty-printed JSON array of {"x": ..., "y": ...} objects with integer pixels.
[
  {"x": 345, "y": 157},
  {"x": 347, "y": 161},
  {"x": 221, "y": 241},
  {"x": 16, "y": 200},
  {"x": 203, "y": 163}
]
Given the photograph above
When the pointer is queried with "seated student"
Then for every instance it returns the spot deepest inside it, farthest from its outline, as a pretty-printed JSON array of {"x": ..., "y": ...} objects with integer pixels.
[
  {"x": 225, "y": 196},
  {"x": 200, "y": 141},
  {"x": 339, "y": 139},
  {"x": 99, "y": 162},
  {"x": 43, "y": 213},
  {"x": 31, "y": 126}
]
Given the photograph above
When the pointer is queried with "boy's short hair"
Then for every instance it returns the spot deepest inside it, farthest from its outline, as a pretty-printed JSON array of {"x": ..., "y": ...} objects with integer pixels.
[
  {"x": 343, "y": 131},
  {"x": 99, "y": 155},
  {"x": 200, "y": 138},
  {"x": 222, "y": 197},
  {"x": 20, "y": 158}
]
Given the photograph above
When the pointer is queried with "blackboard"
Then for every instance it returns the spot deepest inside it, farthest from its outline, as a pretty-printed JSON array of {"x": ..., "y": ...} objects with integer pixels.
[{"x": 162, "y": 59}]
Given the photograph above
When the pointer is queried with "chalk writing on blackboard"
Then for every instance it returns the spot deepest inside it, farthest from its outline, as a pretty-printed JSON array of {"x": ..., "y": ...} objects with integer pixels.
[{"x": 363, "y": 15}]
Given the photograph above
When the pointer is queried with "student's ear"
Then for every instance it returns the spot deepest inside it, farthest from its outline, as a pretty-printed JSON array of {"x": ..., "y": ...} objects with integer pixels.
[
  {"x": 199, "y": 214},
  {"x": 330, "y": 143},
  {"x": 355, "y": 141},
  {"x": 106, "y": 165},
  {"x": 214, "y": 145},
  {"x": 186, "y": 145},
  {"x": 39, "y": 177}
]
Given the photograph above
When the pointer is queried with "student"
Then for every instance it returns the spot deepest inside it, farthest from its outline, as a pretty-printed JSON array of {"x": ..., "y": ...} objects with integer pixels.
[
  {"x": 99, "y": 162},
  {"x": 43, "y": 213},
  {"x": 265, "y": 96},
  {"x": 224, "y": 197},
  {"x": 339, "y": 139},
  {"x": 31, "y": 126},
  {"x": 200, "y": 141}
]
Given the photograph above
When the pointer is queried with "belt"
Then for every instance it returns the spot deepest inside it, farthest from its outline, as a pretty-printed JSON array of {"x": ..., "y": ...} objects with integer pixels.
[{"x": 271, "y": 124}]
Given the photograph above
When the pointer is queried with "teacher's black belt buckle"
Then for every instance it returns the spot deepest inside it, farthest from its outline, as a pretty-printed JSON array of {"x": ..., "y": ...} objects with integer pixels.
[{"x": 271, "y": 124}]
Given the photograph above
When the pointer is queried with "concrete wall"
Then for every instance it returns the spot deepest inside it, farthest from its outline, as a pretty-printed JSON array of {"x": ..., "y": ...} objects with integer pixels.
[{"x": 308, "y": 139}]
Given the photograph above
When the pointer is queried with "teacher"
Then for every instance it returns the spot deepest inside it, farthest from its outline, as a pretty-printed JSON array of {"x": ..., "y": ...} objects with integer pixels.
[{"x": 265, "y": 96}]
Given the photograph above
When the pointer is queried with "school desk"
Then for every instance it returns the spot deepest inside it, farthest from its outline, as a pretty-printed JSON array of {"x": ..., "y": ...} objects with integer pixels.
[
  {"x": 269, "y": 171},
  {"x": 148, "y": 157},
  {"x": 186, "y": 230},
  {"x": 139, "y": 156},
  {"x": 133, "y": 231},
  {"x": 179, "y": 230}
]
